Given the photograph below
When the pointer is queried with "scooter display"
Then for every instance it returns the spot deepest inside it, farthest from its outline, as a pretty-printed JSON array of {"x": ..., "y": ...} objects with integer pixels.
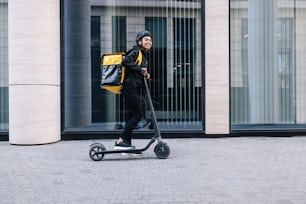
[{"x": 161, "y": 149}]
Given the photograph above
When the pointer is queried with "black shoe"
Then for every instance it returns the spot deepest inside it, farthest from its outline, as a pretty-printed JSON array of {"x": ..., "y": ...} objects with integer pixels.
[
  {"x": 128, "y": 141},
  {"x": 118, "y": 126},
  {"x": 123, "y": 146}
]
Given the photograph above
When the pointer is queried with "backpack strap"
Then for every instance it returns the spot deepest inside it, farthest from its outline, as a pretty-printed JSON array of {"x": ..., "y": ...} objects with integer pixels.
[{"x": 139, "y": 58}]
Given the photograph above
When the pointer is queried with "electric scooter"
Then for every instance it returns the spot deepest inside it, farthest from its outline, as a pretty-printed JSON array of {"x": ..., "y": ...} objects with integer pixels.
[{"x": 161, "y": 149}]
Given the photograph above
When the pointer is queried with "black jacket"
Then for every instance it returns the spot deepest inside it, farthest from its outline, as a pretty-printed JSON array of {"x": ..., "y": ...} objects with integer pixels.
[{"x": 133, "y": 71}]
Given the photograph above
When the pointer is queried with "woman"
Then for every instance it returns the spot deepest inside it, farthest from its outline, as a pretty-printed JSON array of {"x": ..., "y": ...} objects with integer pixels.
[{"x": 133, "y": 86}]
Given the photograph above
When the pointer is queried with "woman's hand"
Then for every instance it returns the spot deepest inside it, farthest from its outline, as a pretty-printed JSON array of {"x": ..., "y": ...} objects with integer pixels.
[{"x": 145, "y": 73}]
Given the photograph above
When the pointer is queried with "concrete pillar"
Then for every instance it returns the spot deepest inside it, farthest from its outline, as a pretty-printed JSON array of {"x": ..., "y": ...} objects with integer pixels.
[
  {"x": 262, "y": 65},
  {"x": 34, "y": 71},
  {"x": 77, "y": 68},
  {"x": 217, "y": 67}
]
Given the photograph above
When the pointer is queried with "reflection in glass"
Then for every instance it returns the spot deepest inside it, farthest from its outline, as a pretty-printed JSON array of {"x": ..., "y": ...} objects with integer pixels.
[
  {"x": 267, "y": 63},
  {"x": 3, "y": 66},
  {"x": 175, "y": 61}
]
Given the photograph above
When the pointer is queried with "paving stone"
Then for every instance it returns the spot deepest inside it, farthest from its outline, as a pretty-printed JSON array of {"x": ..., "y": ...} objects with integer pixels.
[{"x": 222, "y": 170}]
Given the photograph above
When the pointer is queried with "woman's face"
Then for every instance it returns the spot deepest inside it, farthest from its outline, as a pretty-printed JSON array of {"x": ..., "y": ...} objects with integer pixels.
[{"x": 146, "y": 42}]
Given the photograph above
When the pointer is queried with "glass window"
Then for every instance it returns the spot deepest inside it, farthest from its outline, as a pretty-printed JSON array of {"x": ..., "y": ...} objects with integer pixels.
[
  {"x": 119, "y": 33},
  {"x": 175, "y": 59},
  {"x": 268, "y": 53},
  {"x": 3, "y": 65},
  {"x": 107, "y": 108}
]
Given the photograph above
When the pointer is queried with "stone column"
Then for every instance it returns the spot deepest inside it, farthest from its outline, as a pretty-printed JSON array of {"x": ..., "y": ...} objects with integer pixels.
[
  {"x": 77, "y": 68},
  {"x": 262, "y": 65},
  {"x": 217, "y": 67},
  {"x": 34, "y": 71}
]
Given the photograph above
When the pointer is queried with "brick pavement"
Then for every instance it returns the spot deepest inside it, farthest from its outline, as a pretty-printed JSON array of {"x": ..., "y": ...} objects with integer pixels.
[{"x": 198, "y": 171}]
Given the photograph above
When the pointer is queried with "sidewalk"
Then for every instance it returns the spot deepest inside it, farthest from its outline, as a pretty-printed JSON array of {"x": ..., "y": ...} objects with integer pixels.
[{"x": 198, "y": 171}]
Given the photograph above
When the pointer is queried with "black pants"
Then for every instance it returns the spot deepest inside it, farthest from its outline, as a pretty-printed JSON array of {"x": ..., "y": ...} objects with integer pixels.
[{"x": 133, "y": 105}]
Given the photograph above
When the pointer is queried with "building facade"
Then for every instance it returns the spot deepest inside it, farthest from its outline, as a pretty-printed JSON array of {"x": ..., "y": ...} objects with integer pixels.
[{"x": 219, "y": 68}]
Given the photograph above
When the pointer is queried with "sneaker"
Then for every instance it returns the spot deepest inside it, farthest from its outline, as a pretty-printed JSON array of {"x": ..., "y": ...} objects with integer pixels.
[{"x": 123, "y": 146}]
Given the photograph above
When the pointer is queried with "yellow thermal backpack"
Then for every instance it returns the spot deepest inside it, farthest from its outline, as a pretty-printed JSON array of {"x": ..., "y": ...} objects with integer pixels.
[{"x": 112, "y": 71}]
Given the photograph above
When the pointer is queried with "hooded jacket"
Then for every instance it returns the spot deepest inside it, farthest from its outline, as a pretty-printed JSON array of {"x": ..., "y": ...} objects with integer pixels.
[{"x": 133, "y": 71}]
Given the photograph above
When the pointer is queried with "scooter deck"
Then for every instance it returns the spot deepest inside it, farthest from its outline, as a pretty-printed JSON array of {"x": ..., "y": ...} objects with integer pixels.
[{"x": 129, "y": 150}]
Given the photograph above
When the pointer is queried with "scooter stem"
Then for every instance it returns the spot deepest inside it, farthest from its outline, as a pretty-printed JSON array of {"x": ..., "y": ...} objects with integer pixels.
[{"x": 154, "y": 119}]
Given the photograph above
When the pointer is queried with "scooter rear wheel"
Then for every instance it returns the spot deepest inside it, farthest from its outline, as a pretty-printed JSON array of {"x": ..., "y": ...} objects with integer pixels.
[
  {"x": 95, "y": 151},
  {"x": 162, "y": 150}
]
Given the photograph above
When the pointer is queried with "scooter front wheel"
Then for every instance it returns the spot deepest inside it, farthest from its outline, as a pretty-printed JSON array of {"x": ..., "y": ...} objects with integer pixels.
[
  {"x": 96, "y": 151},
  {"x": 162, "y": 150}
]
